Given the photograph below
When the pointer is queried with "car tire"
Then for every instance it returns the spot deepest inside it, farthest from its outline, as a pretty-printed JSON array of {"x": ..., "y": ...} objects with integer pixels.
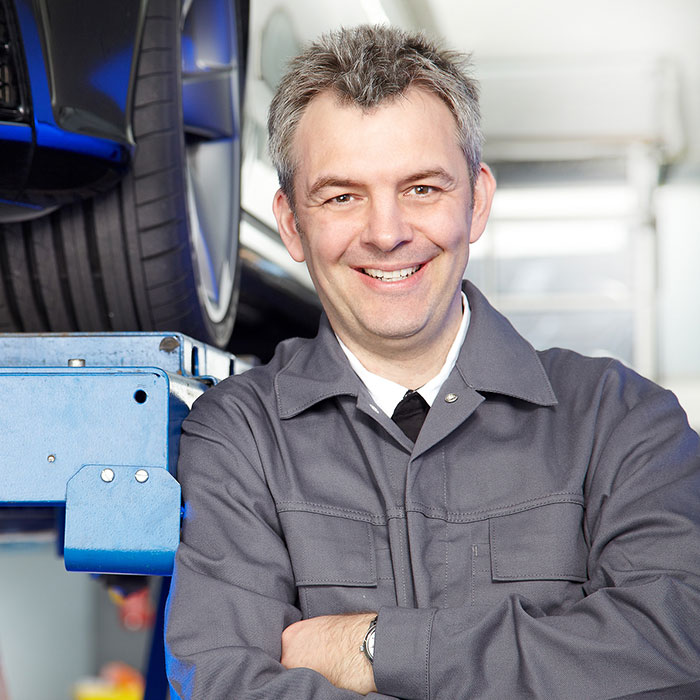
[{"x": 159, "y": 251}]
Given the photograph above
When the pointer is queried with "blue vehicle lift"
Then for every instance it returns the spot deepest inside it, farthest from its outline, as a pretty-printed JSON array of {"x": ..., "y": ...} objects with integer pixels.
[{"x": 91, "y": 425}]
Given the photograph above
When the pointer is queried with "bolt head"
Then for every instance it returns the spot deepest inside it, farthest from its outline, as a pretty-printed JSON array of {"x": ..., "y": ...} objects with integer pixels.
[{"x": 169, "y": 344}]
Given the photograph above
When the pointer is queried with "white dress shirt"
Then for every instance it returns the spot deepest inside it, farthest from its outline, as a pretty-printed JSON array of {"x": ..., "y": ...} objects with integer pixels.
[{"x": 387, "y": 394}]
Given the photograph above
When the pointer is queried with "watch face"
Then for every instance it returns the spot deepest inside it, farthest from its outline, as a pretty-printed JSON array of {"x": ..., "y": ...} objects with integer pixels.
[{"x": 367, "y": 647}]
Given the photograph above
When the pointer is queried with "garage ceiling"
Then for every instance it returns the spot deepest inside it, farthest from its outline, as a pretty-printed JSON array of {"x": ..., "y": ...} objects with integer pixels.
[{"x": 599, "y": 65}]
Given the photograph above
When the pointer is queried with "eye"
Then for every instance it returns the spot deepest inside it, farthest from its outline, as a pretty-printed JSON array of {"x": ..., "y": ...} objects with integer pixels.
[
  {"x": 422, "y": 190},
  {"x": 340, "y": 199}
]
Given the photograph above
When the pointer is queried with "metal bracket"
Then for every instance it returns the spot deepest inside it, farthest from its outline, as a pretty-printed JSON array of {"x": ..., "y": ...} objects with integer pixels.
[
  {"x": 93, "y": 422},
  {"x": 122, "y": 519}
]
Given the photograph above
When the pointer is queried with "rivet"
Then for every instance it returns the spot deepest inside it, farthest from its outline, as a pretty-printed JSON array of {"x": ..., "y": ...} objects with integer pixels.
[
  {"x": 107, "y": 475},
  {"x": 76, "y": 362},
  {"x": 451, "y": 398},
  {"x": 141, "y": 475},
  {"x": 51, "y": 458}
]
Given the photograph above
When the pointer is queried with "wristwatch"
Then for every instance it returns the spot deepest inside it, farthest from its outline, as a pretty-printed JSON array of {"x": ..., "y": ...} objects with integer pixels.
[{"x": 367, "y": 647}]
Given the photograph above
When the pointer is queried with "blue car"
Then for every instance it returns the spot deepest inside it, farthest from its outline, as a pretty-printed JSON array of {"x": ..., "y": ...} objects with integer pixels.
[{"x": 120, "y": 155}]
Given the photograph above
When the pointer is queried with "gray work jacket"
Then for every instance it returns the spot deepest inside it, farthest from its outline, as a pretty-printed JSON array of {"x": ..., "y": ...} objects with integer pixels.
[{"x": 540, "y": 539}]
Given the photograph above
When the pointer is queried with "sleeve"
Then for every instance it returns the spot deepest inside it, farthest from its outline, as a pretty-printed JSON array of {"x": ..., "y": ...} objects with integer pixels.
[
  {"x": 636, "y": 631},
  {"x": 233, "y": 590}
]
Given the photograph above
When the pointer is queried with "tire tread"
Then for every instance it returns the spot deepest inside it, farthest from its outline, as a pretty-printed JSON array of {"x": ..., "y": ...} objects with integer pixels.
[
  {"x": 122, "y": 260},
  {"x": 51, "y": 274}
]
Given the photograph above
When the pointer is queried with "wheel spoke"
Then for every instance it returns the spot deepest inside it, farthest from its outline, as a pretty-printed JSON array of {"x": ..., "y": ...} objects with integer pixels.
[
  {"x": 207, "y": 104},
  {"x": 207, "y": 28},
  {"x": 211, "y": 117},
  {"x": 212, "y": 169}
]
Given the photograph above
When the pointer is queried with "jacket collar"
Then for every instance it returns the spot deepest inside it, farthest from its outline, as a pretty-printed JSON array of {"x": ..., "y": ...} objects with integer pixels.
[
  {"x": 493, "y": 359},
  {"x": 318, "y": 370}
]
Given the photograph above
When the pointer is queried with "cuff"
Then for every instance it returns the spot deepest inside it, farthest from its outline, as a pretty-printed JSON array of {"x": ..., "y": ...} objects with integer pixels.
[{"x": 402, "y": 652}]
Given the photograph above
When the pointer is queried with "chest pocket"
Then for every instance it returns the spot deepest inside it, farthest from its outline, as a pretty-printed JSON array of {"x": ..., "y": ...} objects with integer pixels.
[
  {"x": 539, "y": 553},
  {"x": 340, "y": 564}
]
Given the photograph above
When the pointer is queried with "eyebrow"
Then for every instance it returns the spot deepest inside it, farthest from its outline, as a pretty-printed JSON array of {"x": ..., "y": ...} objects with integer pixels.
[
  {"x": 332, "y": 181},
  {"x": 345, "y": 183},
  {"x": 429, "y": 173}
]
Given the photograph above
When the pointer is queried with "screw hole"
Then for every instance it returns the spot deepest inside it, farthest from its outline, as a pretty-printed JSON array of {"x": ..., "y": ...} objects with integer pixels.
[
  {"x": 140, "y": 396},
  {"x": 194, "y": 362}
]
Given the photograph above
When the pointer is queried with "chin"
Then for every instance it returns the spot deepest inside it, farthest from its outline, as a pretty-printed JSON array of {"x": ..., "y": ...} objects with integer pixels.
[{"x": 402, "y": 331}]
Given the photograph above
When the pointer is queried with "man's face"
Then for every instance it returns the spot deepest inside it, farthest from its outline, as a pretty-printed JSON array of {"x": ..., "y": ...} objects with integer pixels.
[{"x": 384, "y": 217}]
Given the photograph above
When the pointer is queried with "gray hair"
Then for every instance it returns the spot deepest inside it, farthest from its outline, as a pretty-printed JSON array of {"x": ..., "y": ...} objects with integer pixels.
[{"x": 364, "y": 66}]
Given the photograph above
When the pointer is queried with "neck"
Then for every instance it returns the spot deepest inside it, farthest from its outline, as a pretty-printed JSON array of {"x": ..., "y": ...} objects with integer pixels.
[{"x": 410, "y": 362}]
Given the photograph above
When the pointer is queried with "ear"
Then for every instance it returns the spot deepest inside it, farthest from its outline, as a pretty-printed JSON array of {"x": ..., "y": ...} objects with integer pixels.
[
  {"x": 484, "y": 189},
  {"x": 287, "y": 226}
]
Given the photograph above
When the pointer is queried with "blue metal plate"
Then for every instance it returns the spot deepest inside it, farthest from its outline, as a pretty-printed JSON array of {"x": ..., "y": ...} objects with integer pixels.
[{"x": 54, "y": 421}]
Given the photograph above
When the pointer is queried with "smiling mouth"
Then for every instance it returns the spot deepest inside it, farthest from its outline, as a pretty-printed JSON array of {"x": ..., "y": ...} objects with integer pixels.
[{"x": 391, "y": 275}]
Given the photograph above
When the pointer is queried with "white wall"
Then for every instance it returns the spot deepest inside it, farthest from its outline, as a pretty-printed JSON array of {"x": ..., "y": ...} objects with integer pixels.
[{"x": 46, "y": 623}]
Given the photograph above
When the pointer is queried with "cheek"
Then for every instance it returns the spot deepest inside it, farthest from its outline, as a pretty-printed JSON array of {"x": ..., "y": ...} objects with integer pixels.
[
  {"x": 332, "y": 241},
  {"x": 446, "y": 224},
  {"x": 322, "y": 259},
  {"x": 456, "y": 229},
  {"x": 453, "y": 239}
]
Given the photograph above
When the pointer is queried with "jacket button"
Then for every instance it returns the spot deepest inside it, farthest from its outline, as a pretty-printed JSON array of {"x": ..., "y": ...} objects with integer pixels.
[{"x": 451, "y": 398}]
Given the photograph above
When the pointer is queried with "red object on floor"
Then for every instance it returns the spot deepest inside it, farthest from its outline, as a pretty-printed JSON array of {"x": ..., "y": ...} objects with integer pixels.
[{"x": 136, "y": 611}]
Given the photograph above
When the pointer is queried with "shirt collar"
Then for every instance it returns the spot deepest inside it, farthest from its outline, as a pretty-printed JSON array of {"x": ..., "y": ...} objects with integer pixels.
[
  {"x": 386, "y": 394},
  {"x": 493, "y": 358}
]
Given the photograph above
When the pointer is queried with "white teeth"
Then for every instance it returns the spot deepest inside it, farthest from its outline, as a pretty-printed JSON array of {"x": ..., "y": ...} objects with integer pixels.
[{"x": 391, "y": 275}]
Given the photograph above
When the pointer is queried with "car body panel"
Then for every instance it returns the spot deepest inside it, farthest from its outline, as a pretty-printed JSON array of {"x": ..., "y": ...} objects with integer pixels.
[{"x": 71, "y": 135}]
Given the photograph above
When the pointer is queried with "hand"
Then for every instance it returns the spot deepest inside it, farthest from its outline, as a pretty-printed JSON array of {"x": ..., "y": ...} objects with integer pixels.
[{"x": 330, "y": 644}]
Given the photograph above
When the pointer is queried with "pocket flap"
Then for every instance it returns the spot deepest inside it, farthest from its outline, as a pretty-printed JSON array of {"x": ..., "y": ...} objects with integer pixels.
[
  {"x": 541, "y": 543},
  {"x": 327, "y": 550}
]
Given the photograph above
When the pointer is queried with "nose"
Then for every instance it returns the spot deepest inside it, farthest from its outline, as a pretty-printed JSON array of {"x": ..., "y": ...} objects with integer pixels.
[{"x": 386, "y": 227}]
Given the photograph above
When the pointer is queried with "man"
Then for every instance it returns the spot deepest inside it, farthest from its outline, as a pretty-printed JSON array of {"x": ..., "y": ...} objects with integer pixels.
[{"x": 538, "y": 536}]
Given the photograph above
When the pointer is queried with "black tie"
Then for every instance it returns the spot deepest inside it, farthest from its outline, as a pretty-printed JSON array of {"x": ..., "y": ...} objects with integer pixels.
[{"x": 410, "y": 414}]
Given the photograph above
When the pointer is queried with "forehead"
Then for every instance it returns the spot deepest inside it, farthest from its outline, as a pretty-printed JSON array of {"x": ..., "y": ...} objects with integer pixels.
[{"x": 415, "y": 128}]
